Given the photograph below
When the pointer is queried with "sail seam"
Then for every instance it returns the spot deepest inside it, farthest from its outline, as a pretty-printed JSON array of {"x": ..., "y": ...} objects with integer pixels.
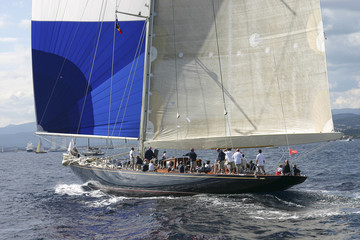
[
  {"x": 137, "y": 56},
  {"x": 62, "y": 67},
  {"x": 226, "y": 116},
  {"x": 92, "y": 64},
  {"x": 112, "y": 76}
]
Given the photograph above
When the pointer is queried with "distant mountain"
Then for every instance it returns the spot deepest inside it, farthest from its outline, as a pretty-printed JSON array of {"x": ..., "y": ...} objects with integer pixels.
[
  {"x": 18, "y": 135},
  {"x": 344, "y": 116},
  {"x": 346, "y": 110},
  {"x": 13, "y": 129},
  {"x": 347, "y": 123}
]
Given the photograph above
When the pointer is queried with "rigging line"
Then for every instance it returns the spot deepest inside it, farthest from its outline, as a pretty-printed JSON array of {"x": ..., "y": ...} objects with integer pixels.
[
  {"x": 317, "y": 148},
  {"x": 103, "y": 10},
  {"x": 112, "y": 76},
  {"x": 226, "y": 117},
  {"x": 281, "y": 102},
  {"x": 55, "y": 36},
  {"x": 137, "y": 55},
  {"x": 176, "y": 75},
  {"x": 133, "y": 15},
  {"x": 131, "y": 72},
  {"x": 63, "y": 64},
  {"x": 127, "y": 83}
]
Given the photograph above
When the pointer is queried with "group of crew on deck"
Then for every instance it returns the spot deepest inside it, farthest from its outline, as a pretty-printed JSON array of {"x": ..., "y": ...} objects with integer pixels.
[{"x": 226, "y": 162}]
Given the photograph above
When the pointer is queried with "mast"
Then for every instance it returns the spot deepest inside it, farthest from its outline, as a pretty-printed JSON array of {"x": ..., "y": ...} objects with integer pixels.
[{"x": 146, "y": 82}]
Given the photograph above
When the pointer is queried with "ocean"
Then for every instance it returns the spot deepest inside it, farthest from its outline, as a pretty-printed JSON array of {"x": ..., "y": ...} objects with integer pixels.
[{"x": 41, "y": 199}]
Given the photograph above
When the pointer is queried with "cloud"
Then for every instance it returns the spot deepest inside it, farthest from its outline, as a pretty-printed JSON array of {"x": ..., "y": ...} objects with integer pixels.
[
  {"x": 348, "y": 99},
  {"x": 2, "y": 21},
  {"x": 354, "y": 39},
  {"x": 25, "y": 23},
  {"x": 8, "y": 40},
  {"x": 16, "y": 94},
  {"x": 19, "y": 4},
  {"x": 342, "y": 29}
]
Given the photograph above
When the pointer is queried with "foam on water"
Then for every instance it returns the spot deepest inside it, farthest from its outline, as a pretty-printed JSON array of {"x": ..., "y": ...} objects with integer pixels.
[{"x": 77, "y": 190}]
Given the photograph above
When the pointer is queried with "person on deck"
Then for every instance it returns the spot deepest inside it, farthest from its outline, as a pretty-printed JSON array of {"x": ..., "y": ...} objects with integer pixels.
[
  {"x": 228, "y": 157},
  {"x": 132, "y": 158},
  {"x": 164, "y": 155},
  {"x": 279, "y": 170},
  {"x": 207, "y": 166},
  {"x": 145, "y": 167},
  {"x": 260, "y": 162},
  {"x": 139, "y": 163},
  {"x": 252, "y": 167},
  {"x": 151, "y": 166},
  {"x": 243, "y": 163},
  {"x": 220, "y": 160},
  {"x": 181, "y": 167},
  {"x": 296, "y": 170},
  {"x": 162, "y": 160},
  {"x": 192, "y": 157},
  {"x": 149, "y": 154},
  {"x": 286, "y": 169},
  {"x": 237, "y": 159}
]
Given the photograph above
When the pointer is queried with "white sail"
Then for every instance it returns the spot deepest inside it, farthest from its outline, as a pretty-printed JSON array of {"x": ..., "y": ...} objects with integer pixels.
[
  {"x": 40, "y": 147},
  {"x": 29, "y": 147},
  {"x": 238, "y": 73}
]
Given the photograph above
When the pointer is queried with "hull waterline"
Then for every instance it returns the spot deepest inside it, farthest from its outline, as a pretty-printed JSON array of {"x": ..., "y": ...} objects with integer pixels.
[{"x": 137, "y": 183}]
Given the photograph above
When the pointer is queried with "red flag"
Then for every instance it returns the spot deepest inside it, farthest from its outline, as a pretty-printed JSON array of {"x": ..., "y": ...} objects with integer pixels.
[
  {"x": 118, "y": 27},
  {"x": 293, "y": 151}
]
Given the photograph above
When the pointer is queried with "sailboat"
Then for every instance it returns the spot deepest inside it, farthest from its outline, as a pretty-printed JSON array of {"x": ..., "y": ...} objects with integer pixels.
[
  {"x": 40, "y": 147},
  {"x": 92, "y": 151},
  {"x": 29, "y": 147},
  {"x": 184, "y": 74}
]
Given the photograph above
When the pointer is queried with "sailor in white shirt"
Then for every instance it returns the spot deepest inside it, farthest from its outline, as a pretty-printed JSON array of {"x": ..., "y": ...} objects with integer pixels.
[{"x": 260, "y": 162}]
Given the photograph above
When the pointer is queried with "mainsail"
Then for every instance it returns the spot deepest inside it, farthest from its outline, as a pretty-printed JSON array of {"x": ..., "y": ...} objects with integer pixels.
[
  {"x": 229, "y": 73},
  {"x": 88, "y": 79}
]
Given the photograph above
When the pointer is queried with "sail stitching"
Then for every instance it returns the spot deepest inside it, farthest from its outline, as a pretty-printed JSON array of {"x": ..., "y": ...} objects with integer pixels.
[
  {"x": 176, "y": 77},
  {"x": 127, "y": 83},
  {"x": 226, "y": 116},
  {"x": 112, "y": 75},
  {"x": 62, "y": 66},
  {"x": 137, "y": 56},
  {"x": 92, "y": 64}
]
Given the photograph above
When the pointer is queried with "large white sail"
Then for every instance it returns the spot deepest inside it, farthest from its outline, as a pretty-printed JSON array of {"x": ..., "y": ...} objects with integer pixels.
[{"x": 241, "y": 73}]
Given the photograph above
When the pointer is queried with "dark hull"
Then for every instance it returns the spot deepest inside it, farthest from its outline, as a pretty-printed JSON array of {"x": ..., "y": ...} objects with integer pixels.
[{"x": 133, "y": 183}]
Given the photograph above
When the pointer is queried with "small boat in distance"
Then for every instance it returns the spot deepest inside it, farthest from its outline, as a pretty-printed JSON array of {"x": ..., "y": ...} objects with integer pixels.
[
  {"x": 176, "y": 75},
  {"x": 40, "y": 147},
  {"x": 93, "y": 151},
  {"x": 29, "y": 147}
]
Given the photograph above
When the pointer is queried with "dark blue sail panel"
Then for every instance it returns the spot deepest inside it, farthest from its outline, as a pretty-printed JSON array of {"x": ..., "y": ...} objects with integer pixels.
[{"x": 78, "y": 87}]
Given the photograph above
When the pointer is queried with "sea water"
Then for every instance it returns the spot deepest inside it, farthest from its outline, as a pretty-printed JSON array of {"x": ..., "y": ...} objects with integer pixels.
[{"x": 41, "y": 199}]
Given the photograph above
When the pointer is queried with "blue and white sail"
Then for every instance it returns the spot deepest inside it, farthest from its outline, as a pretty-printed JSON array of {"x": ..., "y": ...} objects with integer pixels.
[{"x": 88, "y": 78}]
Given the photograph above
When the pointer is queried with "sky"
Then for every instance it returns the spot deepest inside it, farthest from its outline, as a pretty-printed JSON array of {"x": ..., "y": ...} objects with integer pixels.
[{"x": 341, "y": 19}]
